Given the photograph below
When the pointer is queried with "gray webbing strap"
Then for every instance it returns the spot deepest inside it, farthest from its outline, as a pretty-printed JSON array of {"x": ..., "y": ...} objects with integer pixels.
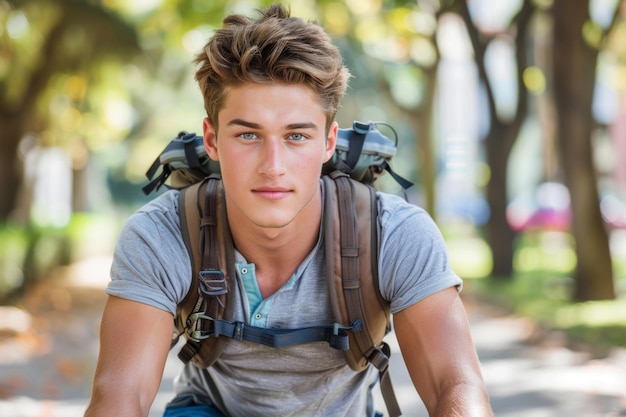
[{"x": 204, "y": 327}]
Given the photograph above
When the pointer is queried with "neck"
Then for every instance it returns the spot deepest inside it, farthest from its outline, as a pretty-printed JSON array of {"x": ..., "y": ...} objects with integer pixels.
[{"x": 277, "y": 252}]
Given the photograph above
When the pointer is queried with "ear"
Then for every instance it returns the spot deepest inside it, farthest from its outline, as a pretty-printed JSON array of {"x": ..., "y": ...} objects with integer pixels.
[
  {"x": 210, "y": 139},
  {"x": 331, "y": 141}
]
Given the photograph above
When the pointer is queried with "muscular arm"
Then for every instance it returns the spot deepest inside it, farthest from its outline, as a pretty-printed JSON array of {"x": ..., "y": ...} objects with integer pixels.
[
  {"x": 439, "y": 353},
  {"x": 134, "y": 342}
]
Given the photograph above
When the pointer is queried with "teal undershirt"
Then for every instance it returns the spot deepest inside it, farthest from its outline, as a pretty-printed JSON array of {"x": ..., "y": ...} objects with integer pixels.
[{"x": 248, "y": 275}]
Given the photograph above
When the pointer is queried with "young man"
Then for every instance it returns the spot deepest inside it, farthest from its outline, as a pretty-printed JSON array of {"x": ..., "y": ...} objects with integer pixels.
[{"x": 271, "y": 88}]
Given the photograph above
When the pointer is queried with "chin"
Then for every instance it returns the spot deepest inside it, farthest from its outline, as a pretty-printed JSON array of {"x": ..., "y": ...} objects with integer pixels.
[{"x": 271, "y": 222}]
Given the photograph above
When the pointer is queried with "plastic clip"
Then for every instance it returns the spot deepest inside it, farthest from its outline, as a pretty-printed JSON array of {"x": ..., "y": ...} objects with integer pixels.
[{"x": 195, "y": 331}]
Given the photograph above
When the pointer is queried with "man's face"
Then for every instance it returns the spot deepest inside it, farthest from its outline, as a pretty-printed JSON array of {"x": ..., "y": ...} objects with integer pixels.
[{"x": 271, "y": 145}]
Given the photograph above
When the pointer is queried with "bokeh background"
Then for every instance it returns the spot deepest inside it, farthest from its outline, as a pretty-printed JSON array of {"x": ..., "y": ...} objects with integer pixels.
[{"x": 511, "y": 122}]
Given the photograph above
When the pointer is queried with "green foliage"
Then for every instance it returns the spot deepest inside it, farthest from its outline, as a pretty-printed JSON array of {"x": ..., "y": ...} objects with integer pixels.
[
  {"x": 545, "y": 298},
  {"x": 541, "y": 287},
  {"x": 29, "y": 254},
  {"x": 13, "y": 248},
  {"x": 545, "y": 251},
  {"x": 91, "y": 234},
  {"x": 470, "y": 255}
]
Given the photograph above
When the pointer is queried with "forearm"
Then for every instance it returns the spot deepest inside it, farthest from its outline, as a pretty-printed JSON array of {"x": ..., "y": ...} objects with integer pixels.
[
  {"x": 463, "y": 400},
  {"x": 115, "y": 398},
  {"x": 441, "y": 358},
  {"x": 102, "y": 406},
  {"x": 113, "y": 408}
]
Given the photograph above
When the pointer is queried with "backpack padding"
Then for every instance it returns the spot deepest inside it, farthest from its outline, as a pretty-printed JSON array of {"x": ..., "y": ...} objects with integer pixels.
[
  {"x": 353, "y": 276},
  {"x": 353, "y": 282},
  {"x": 180, "y": 178},
  {"x": 202, "y": 206},
  {"x": 189, "y": 220}
]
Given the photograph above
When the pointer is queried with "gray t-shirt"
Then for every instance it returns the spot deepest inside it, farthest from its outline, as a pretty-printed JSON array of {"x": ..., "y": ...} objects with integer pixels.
[{"x": 151, "y": 265}]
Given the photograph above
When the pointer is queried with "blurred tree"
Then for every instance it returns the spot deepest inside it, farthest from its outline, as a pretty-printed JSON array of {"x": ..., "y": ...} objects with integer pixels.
[
  {"x": 577, "y": 40},
  {"x": 43, "y": 43},
  {"x": 573, "y": 65},
  {"x": 57, "y": 54},
  {"x": 414, "y": 48},
  {"x": 503, "y": 129},
  {"x": 391, "y": 49}
]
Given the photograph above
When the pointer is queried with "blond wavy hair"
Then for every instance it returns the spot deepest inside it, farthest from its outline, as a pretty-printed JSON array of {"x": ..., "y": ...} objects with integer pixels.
[{"x": 274, "y": 48}]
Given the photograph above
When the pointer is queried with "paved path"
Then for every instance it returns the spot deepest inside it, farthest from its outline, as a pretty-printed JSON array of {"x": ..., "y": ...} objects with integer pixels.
[{"x": 47, "y": 360}]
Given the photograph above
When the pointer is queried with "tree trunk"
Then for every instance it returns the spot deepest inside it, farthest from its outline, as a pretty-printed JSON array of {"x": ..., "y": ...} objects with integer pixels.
[
  {"x": 499, "y": 233},
  {"x": 10, "y": 166},
  {"x": 424, "y": 147},
  {"x": 574, "y": 76},
  {"x": 421, "y": 123},
  {"x": 502, "y": 135}
]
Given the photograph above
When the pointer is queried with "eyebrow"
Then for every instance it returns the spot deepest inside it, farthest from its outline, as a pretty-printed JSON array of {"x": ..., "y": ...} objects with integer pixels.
[
  {"x": 304, "y": 125},
  {"x": 252, "y": 125},
  {"x": 240, "y": 122}
]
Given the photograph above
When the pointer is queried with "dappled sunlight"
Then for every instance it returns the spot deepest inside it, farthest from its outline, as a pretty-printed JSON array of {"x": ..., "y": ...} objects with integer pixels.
[
  {"x": 534, "y": 80},
  {"x": 617, "y": 244},
  {"x": 537, "y": 251},
  {"x": 18, "y": 340},
  {"x": 593, "y": 313},
  {"x": 546, "y": 251},
  {"x": 133, "y": 7},
  {"x": 49, "y": 343},
  {"x": 470, "y": 256}
]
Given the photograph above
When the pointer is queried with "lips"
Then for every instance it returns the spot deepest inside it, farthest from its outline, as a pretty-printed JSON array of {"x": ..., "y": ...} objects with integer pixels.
[{"x": 272, "y": 193}]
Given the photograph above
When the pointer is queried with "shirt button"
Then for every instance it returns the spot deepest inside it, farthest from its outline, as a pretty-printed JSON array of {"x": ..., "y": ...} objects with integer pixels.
[
  {"x": 244, "y": 271},
  {"x": 258, "y": 316}
]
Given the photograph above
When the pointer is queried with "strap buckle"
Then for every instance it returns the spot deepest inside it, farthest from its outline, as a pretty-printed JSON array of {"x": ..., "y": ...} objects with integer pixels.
[{"x": 195, "y": 330}]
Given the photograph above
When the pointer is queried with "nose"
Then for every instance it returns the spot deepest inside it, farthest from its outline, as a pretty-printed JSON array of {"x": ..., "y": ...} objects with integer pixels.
[{"x": 273, "y": 158}]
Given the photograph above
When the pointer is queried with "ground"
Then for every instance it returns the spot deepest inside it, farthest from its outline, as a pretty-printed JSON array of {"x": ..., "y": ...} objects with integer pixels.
[{"x": 49, "y": 345}]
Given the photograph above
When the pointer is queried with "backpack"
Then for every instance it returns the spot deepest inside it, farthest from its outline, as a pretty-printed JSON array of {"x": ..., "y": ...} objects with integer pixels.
[{"x": 350, "y": 229}]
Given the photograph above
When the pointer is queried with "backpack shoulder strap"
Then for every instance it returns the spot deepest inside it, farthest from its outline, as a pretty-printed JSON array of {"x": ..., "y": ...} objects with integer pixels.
[
  {"x": 350, "y": 233},
  {"x": 207, "y": 311},
  {"x": 204, "y": 225},
  {"x": 350, "y": 217}
]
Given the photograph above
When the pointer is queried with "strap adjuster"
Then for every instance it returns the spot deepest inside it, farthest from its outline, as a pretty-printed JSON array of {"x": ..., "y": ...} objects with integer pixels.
[
  {"x": 238, "y": 331},
  {"x": 212, "y": 282},
  {"x": 380, "y": 357}
]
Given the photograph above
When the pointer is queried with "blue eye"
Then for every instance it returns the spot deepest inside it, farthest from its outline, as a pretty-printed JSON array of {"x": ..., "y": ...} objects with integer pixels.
[
  {"x": 248, "y": 136},
  {"x": 297, "y": 137}
]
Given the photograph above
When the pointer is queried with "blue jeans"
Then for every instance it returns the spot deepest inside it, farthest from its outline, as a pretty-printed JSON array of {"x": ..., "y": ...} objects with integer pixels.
[{"x": 188, "y": 405}]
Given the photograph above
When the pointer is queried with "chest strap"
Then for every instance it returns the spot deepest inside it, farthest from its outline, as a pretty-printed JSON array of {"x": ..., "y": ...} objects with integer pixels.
[{"x": 203, "y": 327}]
